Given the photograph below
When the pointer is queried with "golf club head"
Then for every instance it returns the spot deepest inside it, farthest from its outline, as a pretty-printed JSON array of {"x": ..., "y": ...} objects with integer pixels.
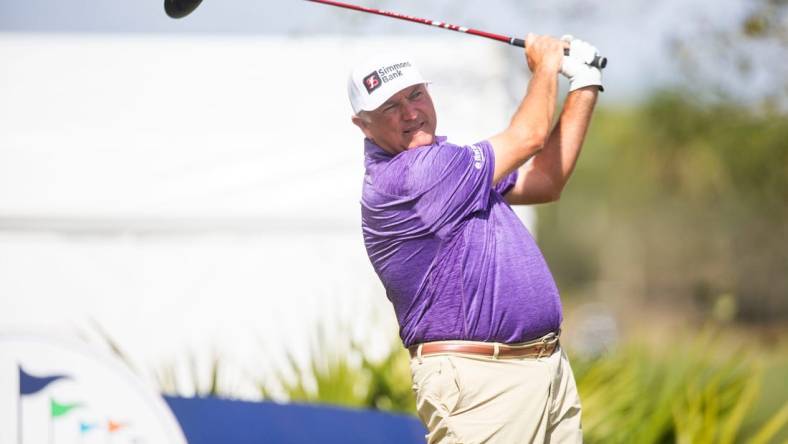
[{"x": 180, "y": 8}]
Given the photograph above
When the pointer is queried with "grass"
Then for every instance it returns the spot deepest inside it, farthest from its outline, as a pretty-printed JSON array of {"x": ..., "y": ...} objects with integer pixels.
[
  {"x": 695, "y": 393},
  {"x": 333, "y": 378}
]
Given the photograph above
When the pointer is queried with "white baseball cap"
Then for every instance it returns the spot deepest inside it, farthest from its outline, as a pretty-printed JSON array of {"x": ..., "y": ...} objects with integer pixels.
[{"x": 374, "y": 81}]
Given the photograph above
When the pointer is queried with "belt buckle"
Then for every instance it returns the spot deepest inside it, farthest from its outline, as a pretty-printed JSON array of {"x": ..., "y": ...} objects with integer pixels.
[{"x": 543, "y": 345}]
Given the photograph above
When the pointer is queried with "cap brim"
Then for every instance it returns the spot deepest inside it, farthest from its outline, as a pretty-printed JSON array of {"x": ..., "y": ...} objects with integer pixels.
[{"x": 372, "y": 106}]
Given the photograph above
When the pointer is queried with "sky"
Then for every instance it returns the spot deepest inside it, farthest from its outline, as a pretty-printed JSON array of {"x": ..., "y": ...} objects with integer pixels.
[{"x": 637, "y": 36}]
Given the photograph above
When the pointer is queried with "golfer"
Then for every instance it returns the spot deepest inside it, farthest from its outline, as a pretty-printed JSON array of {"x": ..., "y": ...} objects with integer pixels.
[{"x": 475, "y": 300}]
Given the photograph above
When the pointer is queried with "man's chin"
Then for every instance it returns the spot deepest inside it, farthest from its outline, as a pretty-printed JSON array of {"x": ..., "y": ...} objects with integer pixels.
[{"x": 421, "y": 139}]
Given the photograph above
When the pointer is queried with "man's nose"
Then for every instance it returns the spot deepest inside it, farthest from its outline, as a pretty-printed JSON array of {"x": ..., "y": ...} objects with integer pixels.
[{"x": 409, "y": 111}]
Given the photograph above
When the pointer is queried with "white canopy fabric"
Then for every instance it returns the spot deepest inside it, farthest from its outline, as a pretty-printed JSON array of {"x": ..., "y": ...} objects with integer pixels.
[{"x": 128, "y": 128}]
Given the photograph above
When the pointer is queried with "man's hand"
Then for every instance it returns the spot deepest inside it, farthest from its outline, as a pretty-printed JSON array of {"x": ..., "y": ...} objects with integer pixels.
[
  {"x": 576, "y": 66},
  {"x": 543, "y": 52}
]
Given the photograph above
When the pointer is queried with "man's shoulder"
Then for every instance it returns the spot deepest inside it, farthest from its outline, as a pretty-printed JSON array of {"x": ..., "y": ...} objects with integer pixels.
[
  {"x": 441, "y": 158},
  {"x": 427, "y": 156},
  {"x": 417, "y": 169},
  {"x": 398, "y": 175}
]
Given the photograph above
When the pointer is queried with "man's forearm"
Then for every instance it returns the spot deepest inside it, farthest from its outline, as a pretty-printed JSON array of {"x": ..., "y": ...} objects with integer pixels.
[
  {"x": 558, "y": 158},
  {"x": 535, "y": 113},
  {"x": 529, "y": 128}
]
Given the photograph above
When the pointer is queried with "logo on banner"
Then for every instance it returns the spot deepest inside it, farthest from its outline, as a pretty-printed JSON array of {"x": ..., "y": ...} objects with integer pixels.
[{"x": 68, "y": 393}]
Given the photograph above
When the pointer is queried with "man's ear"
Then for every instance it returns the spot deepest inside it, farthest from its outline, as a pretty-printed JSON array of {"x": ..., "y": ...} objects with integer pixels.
[{"x": 362, "y": 124}]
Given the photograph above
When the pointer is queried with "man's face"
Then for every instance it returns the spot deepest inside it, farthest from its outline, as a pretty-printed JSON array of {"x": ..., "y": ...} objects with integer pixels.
[{"x": 406, "y": 120}]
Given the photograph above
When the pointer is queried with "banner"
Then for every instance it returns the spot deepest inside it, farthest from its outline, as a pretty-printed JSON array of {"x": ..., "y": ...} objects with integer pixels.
[
  {"x": 53, "y": 391},
  {"x": 211, "y": 421}
]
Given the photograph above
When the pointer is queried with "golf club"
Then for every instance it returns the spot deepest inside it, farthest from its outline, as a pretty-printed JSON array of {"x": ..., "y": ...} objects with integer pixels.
[
  {"x": 182, "y": 8},
  {"x": 599, "y": 62}
]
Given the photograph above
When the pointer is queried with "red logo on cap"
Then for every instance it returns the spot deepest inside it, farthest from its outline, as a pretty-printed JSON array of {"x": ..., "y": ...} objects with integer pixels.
[{"x": 372, "y": 82}]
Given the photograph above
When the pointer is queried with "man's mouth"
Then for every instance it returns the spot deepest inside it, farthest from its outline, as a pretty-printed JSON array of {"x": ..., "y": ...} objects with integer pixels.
[{"x": 414, "y": 129}]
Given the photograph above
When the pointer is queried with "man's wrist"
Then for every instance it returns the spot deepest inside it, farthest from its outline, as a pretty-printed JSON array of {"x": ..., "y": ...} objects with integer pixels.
[
  {"x": 585, "y": 97},
  {"x": 591, "y": 90},
  {"x": 543, "y": 71}
]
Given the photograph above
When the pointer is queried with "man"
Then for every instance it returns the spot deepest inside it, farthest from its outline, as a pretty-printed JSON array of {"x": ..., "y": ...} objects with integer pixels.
[{"x": 476, "y": 303}]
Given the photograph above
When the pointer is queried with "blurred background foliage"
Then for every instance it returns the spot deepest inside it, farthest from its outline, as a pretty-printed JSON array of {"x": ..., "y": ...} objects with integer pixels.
[
  {"x": 680, "y": 203},
  {"x": 682, "y": 200}
]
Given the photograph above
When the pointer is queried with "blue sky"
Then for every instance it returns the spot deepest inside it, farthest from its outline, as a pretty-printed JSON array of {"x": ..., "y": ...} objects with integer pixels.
[{"x": 638, "y": 36}]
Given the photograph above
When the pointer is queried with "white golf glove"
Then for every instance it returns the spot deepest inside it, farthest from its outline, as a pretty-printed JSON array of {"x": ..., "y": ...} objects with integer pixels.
[{"x": 576, "y": 66}]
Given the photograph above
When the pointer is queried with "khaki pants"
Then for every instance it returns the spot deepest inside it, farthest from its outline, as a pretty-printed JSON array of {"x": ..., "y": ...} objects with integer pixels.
[{"x": 473, "y": 399}]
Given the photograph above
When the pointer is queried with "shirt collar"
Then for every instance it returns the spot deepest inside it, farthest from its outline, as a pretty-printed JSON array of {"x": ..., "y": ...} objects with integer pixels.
[{"x": 373, "y": 152}]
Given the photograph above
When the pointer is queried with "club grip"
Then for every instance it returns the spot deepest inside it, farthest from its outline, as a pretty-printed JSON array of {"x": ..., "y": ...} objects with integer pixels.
[{"x": 599, "y": 61}]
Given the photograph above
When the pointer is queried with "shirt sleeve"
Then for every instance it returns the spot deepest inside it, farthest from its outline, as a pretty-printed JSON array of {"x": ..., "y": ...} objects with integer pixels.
[
  {"x": 507, "y": 183},
  {"x": 449, "y": 183}
]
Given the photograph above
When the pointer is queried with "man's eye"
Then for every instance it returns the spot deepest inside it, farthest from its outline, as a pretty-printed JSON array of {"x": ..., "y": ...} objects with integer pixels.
[{"x": 415, "y": 95}]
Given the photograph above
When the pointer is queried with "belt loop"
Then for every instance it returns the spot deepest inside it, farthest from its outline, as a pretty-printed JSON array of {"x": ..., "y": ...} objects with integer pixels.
[
  {"x": 542, "y": 347},
  {"x": 418, "y": 352},
  {"x": 496, "y": 350}
]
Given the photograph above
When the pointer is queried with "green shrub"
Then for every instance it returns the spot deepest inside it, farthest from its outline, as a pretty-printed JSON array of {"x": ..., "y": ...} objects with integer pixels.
[{"x": 684, "y": 393}]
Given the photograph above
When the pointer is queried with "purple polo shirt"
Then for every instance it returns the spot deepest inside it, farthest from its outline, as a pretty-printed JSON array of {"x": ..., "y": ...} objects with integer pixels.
[{"x": 455, "y": 260}]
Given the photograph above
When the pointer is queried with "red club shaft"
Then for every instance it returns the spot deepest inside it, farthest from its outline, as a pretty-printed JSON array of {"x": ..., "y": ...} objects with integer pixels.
[
  {"x": 489, "y": 35},
  {"x": 599, "y": 62}
]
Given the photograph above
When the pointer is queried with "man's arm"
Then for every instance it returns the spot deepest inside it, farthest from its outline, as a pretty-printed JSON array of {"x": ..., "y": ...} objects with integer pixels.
[
  {"x": 543, "y": 178},
  {"x": 529, "y": 128}
]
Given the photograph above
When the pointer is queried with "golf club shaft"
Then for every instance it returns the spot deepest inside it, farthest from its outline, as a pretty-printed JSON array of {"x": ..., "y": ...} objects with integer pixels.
[{"x": 599, "y": 62}]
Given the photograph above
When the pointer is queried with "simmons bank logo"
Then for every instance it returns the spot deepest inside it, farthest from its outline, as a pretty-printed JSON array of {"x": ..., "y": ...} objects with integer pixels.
[
  {"x": 373, "y": 80},
  {"x": 56, "y": 392}
]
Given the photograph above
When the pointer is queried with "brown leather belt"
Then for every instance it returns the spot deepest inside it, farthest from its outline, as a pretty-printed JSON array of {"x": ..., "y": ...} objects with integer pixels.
[{"x": 544, "y": 346}]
